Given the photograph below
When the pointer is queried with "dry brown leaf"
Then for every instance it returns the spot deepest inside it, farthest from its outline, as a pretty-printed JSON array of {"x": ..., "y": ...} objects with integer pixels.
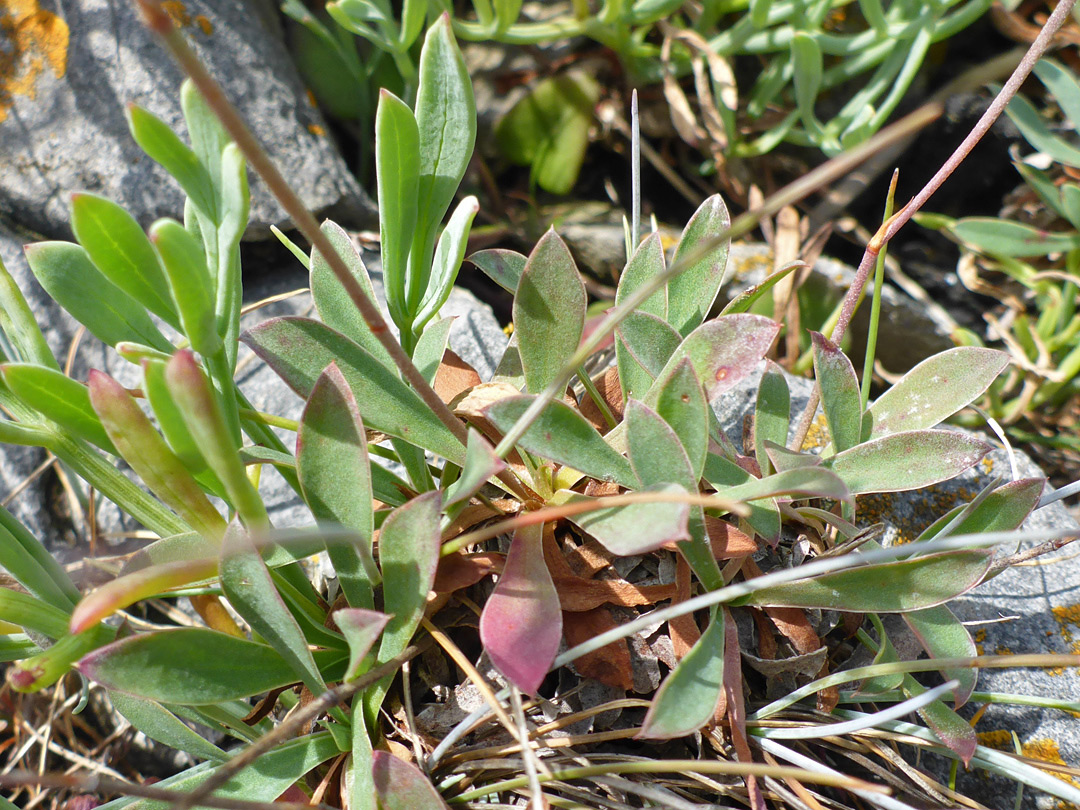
[
  {"x": 454, "y": 377},
  {"x": 766, "y": 646},
  {"x": 796, "y": 628},
  {"x": 736, "y": 708},
  {"x": 457, "y": 571},
  {"x": 588, "y": 558},
  {"x": 683, "y": 629},
  {"x": 610, "y": 664}
]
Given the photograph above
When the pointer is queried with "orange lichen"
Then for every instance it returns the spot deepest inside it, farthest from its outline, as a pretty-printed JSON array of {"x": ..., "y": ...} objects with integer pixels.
[
  {"x": 31, "y": 39},
  {"x": 315, "y": 129},
  {"x": 999, "y": 739},
  {"x": 204, "y": 24},
  {"x": 1042, "y": 749},
  {"x": 980, "y": 637},
  {"x": 1067, "y": 617},
  {"x": 818, "y": 434},
  {"x": 177, "y": 12}
]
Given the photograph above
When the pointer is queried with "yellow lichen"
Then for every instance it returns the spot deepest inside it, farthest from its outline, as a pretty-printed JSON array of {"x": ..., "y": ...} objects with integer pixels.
[
  {"x": 315, "y": 129},
  {"x": 1067, "y": 617},
  {"x": 177, "y": 12},
  {"x": 204, "y": 24},
  {"x": 31, "y": 39}
]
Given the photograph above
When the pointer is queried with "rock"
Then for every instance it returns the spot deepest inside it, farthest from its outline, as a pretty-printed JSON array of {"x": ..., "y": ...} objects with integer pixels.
[
  {"x": 68, "y": 70},
  {"x": 1033, "y": 608}
]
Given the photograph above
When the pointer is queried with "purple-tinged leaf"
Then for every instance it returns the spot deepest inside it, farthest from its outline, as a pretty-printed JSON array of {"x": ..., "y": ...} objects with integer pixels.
[
  {"x": 895, "y": 587},
  {"x": 692, "y": 292},
  {"x": 401, "y": 786},
  {"x": 942, "y": 635},
  {"x": 521, "y": 625},
  {"x": 646, "y": 263},
  {"x": 840, "y": 397},
  {"x": 687, "y": 699},
  {"x": 772, "y": 415},
  {"x": 681, "y": 403},
  {"x": 408, "y": 557},
  {"x": 722, "y": 352},
  {"x": 361, "y": 628},
  {"x": 563, "y": 435},
  {"x": 481, "y": 464},
  {"x": 130, "y": 588},
  {"x": 954, "y": 731},
  {"x": 934, "y": 390},
  {"x": 189, "y": 666},
  {"x": 143, "y": 448},
  {"x": 247, "y": 584},
  {"x": 910, "y": 460},
  {"x": 635, "y": 528},
  {"x": 643, "y": 345},
  {"x": 298, "y": 349},
  {"x": 335, "y": 475},
  {"x": 504, "y": 267},
  {"x": 549, "y": 311}
]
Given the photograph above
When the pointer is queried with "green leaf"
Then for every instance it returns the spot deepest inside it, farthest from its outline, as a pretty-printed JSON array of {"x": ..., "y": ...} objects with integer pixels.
[
  {"x": 481, "y": 464},
  {"x": 447, "y": 262},
  {"x": 764, "y": 517},
  {"x": 20, "y": 327},
  {"x": 446, "y": 122},
  {"x": 412, "y": 22},
  {"x": 722, "y": 352},
  {"x": 1062, "y": 83},
  {"x": 636, "y": 528},
  {"x": 942, "y": 635},
  {"x": 504, "y": 267},
  {"x": 208, "y": 136},
  {"x": 1037, "y": 132},
  {"x": 840, "y": 397},
  {"x": 120, "y": 250},
  {"x": 681, "y": 403},
  {"x": 335, "y": 475},
  {"x": 32, "y": 613},
  {"x": 934, "y": 390},
  {"x": 953, "y": 730},
  {"x": 264, "y": 780},
  {"x": 521, "y": 624},
  {"x": 431, "y": 348},
  {"x": 748, "y": 297},
  {"x": 143, "y": 448},
  {"x": 1003, "y": 510},
  {"x": 161, "y": 725},
  {"x": 298, "y": 349},
  {"x": 692, "y": 292},
  {"x": 190, "y": 283},
  {"x": 643, "y": 345},
  {"x": 1003, "y": 237},
  {"x": 895, "y": 587},
  {"x": 800, "y": 482},
  {"x": 909, "y": 460},
  {"x": 772, "y": 415},
  {"x": 163, "y": 146},
  {"x": 247, "y": 584},
  {"x": 361, "y": 627},
  {"x": 806, "y": 77},
  {"x": 33, "y": 567},
  {"x": 59, "y": 398},
  {"x": 687, "y": 698},
  {"x": 189, "y": 665},
  {"x": 336, "y": 308},
  {"x": 549, "y": 129},
  {"x": 397, "y": 172},
  {"x": 72, "y": 280},
  {"x": 205, "y": 419},
  {"x": 235, "y": 198},
  {"x": 646, "y": 263},
  {"x": 563, "y": 435},
  {"x": 400, "y": 785},
  {"x": 886, "y": 654},
  {"x": 549, "y": 311}
]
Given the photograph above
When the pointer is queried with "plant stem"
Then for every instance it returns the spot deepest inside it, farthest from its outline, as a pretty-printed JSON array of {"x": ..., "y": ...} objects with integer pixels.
[
  {"x": 158, "y": 21},
  {"x": 875, "y": 306}
]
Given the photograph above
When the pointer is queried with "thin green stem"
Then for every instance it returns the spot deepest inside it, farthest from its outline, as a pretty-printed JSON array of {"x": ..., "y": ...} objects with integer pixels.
[
  {"x": 597, "y": 398},
  {"x": 875, "y": 305}
]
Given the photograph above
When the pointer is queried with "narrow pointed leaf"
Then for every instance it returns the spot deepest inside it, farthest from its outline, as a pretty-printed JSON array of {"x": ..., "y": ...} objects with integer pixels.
[
  {"x": 934, "y": 390},
  {"x": 32, "y": 613},
  {"x": 687, "y": 698},
  {"x": 722, "y": 352},
  {"x": 504, "y": 267},
  {"x": 692, "y": 292},
  {"x": 747, "y": 298},
  {"x": 161, "y": 725},
  {"x": 564, "y": 436},
  {"x": 1003, "y": 510},
  {"x": 1002, "y": 237},
  {"x": 481, "y": 464},
  {"x": 646, "y": 263},
  {"x": 336, "y": 308},
  {"x": 886, "y": 654},
  {"x": 59, "y": 398},
  {"x": 120, "y": 250},
  {"x": 246, "y": 582},
  {"x": 521, "y": 625},
  {"x": 953, "y": 730},
  {"x": 643, "y": 345},
  {"x": 549, "y": 311},
  {"x": 681, "y": 403},
  {"x": 334, "y": 469},
  {"x": 397, "y": 171},
  {"x": 157, "y": 139},
  {"x": 20, "y": 326},
  {"x": 799, "y": 482},
  {"x": 783, "y": 459},
  {"x": 400, "y": 785},
  {"x": 772, "y": 415},
  {"x": 764, "y": 516},
  {"x": 636, "y": 528},
  {"x": 431, "y": 348},
  {"x": 408, "y": 557},
  {"x": 298, "y": 349},
  {"x": 840, "y": 397},
  {"x": 25, "y": 558},
  {"x": 144, "y": 449},
  {"x": 942, "y": 635},
  {"x": 449, "y": 253},
  {"x": 910, "y": 460},
  {"x": 361, "y": 629},
  {"x": 72, "y": 280},
  {"x": 189, "y": 282},
  {"x": 896, "y": 587}
]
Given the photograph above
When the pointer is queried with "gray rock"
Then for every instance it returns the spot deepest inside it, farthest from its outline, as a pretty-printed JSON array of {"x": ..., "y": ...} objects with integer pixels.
[{"x": 76, "y": 65}]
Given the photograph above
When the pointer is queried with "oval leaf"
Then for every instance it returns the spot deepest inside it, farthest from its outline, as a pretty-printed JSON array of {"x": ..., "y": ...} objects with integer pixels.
[
  {"x": 189, "y": 282},
  {"x": 840, "y": 397},
  {"x": 521, "y": 625},
  {"x": 504, "y": 267},
  {"x": 361, "y": 628},
  {"x": 59, "y": 398},
  {"x": 643, "y": 345},
  {"x": 636, "y": 528},
  {"x": 646, "y": 263},
  {"x": 401, "y": 786},
  {"x": 692, "y": 292}
]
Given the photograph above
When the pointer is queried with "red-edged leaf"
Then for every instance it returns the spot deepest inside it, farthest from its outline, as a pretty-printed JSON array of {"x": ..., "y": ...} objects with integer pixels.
[{"x": 401, "y": 786}]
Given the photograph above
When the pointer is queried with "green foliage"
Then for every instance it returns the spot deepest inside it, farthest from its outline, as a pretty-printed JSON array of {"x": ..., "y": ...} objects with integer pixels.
[{"x": 663, "y": 477}]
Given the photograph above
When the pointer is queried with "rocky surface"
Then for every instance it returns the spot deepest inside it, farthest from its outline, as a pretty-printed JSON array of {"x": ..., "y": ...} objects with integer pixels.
[{"x": 68, "y": 70}]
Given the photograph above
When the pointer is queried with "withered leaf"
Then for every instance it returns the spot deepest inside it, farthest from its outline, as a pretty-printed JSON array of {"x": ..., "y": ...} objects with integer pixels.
[{"x": 610, "y": 664}]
